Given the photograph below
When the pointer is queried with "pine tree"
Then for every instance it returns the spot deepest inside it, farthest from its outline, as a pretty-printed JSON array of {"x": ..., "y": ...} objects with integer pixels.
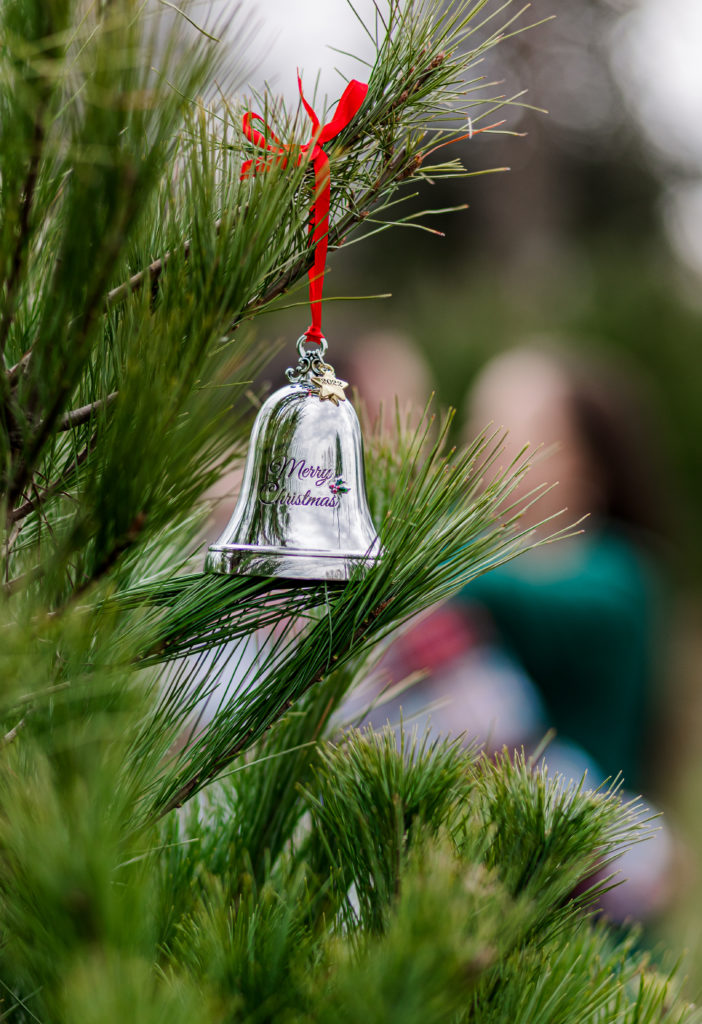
[{"x": 264, "y": 865}]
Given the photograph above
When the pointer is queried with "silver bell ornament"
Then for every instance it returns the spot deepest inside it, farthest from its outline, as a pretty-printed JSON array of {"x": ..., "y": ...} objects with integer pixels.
[{"x": 302, "y": 512}]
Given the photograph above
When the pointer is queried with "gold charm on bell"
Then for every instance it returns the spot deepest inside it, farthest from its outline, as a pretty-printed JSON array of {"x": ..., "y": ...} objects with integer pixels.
[{"x": 302, "y": 512}]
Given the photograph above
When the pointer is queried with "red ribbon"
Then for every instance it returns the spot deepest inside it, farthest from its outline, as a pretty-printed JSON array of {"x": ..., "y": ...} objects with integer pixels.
[{"x": 311, "y": 151}]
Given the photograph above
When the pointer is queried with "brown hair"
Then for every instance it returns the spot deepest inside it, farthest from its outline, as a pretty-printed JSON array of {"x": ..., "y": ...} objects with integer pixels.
[{"x": 619, "y": 423}]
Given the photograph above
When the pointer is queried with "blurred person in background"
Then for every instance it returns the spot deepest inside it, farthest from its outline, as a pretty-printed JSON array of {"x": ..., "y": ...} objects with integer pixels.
[
  {"x": 582, "y": 617},
  {"x": 568, "y": 636},
  {"x": 387, "y": 368}
]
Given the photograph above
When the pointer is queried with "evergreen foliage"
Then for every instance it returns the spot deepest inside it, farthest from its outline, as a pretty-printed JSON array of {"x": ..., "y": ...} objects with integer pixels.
[{"x": 248, "y": 861}]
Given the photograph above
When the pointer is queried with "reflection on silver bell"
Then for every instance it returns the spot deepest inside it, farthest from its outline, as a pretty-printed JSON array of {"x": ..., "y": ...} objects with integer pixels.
[{"x": 302, "y": 511}]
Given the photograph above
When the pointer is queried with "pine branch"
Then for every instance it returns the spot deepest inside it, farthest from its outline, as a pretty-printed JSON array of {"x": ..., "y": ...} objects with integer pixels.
[
  {"x": 438, "y": 509},
  {"x": 20, "y": 583},
  {"x": 12, "y": 733},
  {"x": 302, "y": 887},
  {"x": 402, "y": 87},
  {"x": 14, "y": 372},
  {"x": 56, "y": 487},
  {"x": 397, "y": 170},
  {"x": 26, "y": 462},
  {"x": 76, "y": 417},
  {"x": 111, "y": 557},
  {"x": 151, "y": 274},
  {"x": 23, "y": 233},
  {"x": 393, "y": 100}
]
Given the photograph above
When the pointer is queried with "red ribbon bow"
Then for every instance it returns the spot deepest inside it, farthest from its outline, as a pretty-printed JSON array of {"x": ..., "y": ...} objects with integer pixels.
[{"x": 311, "y": 151}]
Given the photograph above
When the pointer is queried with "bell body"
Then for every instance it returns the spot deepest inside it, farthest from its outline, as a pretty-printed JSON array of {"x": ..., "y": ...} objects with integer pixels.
[{"x": 302, "y": 512}]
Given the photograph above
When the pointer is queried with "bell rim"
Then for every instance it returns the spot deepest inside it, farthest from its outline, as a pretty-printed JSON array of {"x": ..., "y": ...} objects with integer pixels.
[
  {"x": 264, "y": 549},
  {"x": 290, "y": 563}
]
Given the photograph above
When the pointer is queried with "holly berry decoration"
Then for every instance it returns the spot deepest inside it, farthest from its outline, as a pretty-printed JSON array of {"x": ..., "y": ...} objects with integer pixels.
[{"x": 339, "y": 486}]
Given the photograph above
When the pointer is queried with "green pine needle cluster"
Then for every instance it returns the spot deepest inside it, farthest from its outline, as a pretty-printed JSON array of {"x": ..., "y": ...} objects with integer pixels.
[{"x": 189, "y": 829}]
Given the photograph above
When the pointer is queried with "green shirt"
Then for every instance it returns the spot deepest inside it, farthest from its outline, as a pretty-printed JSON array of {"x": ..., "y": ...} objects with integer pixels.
[{"x": 581, "y": 617}]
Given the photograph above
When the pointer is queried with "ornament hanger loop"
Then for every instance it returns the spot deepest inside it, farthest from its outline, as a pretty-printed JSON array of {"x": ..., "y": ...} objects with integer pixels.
[
  {"x": 318, "y": 348},
  {"x": 311, "y": 360}
]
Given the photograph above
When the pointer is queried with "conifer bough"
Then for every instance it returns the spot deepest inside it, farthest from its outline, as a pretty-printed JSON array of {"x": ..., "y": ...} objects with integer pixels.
[{"x": 312, "y": 874}]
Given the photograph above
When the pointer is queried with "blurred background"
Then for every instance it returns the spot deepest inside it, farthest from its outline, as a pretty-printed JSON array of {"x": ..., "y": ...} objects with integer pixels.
[{"x": 566, "y": 305}]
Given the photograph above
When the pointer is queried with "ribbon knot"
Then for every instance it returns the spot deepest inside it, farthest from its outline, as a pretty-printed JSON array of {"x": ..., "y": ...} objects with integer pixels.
[{"x": 312, "y": 152}]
